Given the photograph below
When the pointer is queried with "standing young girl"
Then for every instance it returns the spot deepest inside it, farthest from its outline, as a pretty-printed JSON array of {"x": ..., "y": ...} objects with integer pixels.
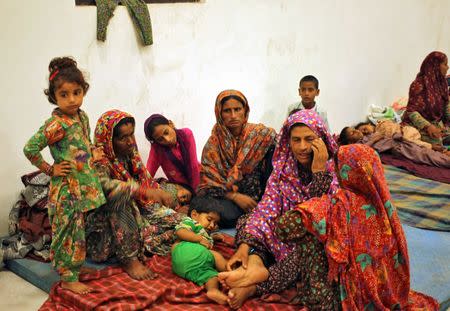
[
  {"x": 74, "y": 186},
  {"x": 174, "y": 150}
]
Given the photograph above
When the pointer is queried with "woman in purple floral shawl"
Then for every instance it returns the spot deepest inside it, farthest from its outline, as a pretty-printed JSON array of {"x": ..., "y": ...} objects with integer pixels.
[{"x": 303, "y": 168}]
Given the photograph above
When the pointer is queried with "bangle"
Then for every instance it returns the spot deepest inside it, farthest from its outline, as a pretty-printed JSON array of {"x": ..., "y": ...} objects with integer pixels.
[
  {"x": 49, "y": 170},
  {"x": 234, "y": 196}
]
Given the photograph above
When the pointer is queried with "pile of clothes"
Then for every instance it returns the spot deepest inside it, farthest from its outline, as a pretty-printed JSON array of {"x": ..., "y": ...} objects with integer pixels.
[{"x": 29, "y": 227}]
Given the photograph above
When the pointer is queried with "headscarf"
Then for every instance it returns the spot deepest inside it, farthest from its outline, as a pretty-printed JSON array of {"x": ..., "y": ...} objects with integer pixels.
[
  {"x": 184, "y": 167},
  {"x": 104, "y": 138},
  {"x": 285, "y": 168},
  {"x": 428, "y": 94},
  {"x": 363, "y": 236},
  {"x": 225, "y": 159},
  {"x": 285, "y": 188}
]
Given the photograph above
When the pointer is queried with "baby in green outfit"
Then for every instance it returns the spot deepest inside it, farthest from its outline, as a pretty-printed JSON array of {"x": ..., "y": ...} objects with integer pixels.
[{"x": 192, "y": 257}]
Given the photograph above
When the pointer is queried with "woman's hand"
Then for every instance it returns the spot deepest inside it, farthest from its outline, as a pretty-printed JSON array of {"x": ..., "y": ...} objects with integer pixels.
[
  {"x": 218, "y": 237},
  {"x": 320, "y": 156},
  {"x": 62, "y": 169},
  {"x": 240, "y": 256},
  {"x": 433, "y": 131},
  {"x": 160, "y": 196},
  {"x": 97, "y": 154},
  {"x": 245, "y": 202}
]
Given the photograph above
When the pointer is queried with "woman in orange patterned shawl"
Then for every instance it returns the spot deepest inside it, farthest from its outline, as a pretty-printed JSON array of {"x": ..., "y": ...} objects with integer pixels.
[
  {"x": 362, "y": 236},
  {"x": 236, "y": 158}
]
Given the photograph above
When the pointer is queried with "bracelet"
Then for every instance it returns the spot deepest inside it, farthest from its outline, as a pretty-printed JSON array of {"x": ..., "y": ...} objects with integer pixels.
[
  {"x": 234, "y": 196},
  {"x": 49, "y": 170}
]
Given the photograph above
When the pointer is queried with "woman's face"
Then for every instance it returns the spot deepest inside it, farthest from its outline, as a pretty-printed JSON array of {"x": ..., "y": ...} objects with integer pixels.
[
  {"x": 123, "y": 144},
  {"x": 165, "y": 135},
  {"x": 300, "y": 140},
  {"x": 233, "y": 115},
  {"x": 444, "y": 67}
]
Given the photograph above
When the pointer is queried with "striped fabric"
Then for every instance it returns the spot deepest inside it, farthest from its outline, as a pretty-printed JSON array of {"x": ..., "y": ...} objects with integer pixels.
[{"x": 421, "y": 203}]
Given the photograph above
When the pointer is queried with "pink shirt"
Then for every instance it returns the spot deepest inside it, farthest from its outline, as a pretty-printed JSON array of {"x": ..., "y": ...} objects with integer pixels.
[{"x": 157, "y": 158}]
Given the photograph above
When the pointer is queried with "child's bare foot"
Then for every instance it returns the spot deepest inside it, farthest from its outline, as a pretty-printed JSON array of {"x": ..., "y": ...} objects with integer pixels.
[
  {"x": 243, "y": 277},
  {"x": 76, "y": 287},
  {"x": 138, "y": 271},
  {"x": 87, "y": 270},
  {"x": 237, "y": 296},
  {"x": 217, "y": 296}
]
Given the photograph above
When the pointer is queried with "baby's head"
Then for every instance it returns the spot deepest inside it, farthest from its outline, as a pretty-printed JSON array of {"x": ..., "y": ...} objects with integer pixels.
[
  {"x": 366, "y": 128},
  {"x": 349, "y": 135},
  {"x": 66, "y": 85},
  {"x": 184, "y": 192},
  {"x": 205, "y": 211},
  {"x": 158, "y": 129},
  {"x": 308, "y": 89}
]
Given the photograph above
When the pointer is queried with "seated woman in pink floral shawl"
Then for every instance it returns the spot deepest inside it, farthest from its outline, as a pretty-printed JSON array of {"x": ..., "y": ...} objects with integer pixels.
[{"x": 302, "y": 169}]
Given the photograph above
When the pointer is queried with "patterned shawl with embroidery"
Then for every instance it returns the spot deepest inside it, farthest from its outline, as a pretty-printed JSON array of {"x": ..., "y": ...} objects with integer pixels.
[
  {"x": 428, "y": 94},
  {"x": 363, "y": 237},
  {"x": 104, "y": 139},
  {"x": 285, "y": 189},
  {"x": 225, "y": 159}
]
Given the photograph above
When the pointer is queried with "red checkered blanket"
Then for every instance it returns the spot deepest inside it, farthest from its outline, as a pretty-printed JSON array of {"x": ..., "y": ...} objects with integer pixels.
[{"x": 115, "y": 290}]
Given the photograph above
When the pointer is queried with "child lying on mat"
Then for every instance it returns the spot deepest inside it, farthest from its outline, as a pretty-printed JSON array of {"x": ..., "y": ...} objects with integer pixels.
[
  {"x": 384, "y": 139},
  {"x": 192, "y": 257},
  {"x": 391, "y": 129}
]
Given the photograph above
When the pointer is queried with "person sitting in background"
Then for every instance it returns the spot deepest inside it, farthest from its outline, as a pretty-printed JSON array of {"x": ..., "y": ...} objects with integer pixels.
[
  {"x": 172, "y": 149},
  {"x": 428, "y": 107},
  {"x": 236, "y": 159}
]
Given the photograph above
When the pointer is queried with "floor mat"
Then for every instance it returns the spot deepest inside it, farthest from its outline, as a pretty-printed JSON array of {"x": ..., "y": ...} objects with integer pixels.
[
  {"x": 428, "y": 251},
  {"x": 420, "y": 202}
]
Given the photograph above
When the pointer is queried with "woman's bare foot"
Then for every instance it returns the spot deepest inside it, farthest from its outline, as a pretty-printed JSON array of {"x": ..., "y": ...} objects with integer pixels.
[
  {"x": 138, "y": 271},
  {"x": 244, "y": 277},
  {"x": 87, "y": 270},
  {"x": 76, "y": 287},
  {"x": 237, "y": 296},
  {"x": 217, "y": 296}
]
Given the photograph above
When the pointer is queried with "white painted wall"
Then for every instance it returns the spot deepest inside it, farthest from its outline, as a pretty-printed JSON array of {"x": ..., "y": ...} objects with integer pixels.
[{"x": 362, "y": 51}]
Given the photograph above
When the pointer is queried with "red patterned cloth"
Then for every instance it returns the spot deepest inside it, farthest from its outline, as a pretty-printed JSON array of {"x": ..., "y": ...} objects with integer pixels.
[
  {"x": 363, "y": 237},
  {"x": 115, "y": 290},
  {"x": 428, "y": 94}
]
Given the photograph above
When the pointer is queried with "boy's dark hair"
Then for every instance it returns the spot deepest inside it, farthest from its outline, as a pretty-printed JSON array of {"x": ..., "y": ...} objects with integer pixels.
[
  {"x": 63, "y": 69},
  {"x": 343, "y": 138},
  {"x": 309, "y": 78},
  {"x": 122, "y": 122},
  {"x": 361, "y": 124},
  {"x": 204, "y": 205}
]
